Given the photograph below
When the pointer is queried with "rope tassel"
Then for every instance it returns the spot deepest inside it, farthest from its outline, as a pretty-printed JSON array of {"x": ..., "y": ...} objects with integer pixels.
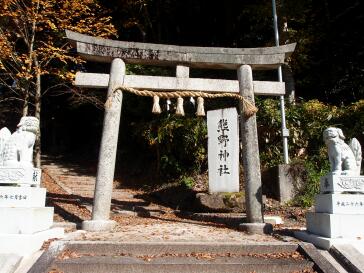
[
  {"x": 179, "y": 109},
  {"x": 249, "y": 109},
  {"x": 156, "y": 107},
  {"x": 200, "y": 107}
]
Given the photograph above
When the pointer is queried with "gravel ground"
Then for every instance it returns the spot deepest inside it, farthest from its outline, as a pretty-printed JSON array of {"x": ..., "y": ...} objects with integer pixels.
[{"x": 161, "y": 230}]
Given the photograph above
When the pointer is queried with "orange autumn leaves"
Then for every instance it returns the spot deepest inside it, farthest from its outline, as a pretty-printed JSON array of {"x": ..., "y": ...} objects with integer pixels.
[{"x": 32, "y": 36}]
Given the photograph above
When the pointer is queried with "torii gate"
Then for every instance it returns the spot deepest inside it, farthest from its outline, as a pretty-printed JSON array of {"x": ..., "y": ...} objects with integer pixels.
[{"x": 183, "y": 57}]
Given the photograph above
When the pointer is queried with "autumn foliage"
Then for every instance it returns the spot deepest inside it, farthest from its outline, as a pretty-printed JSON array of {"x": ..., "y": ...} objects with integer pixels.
[
  {"x": 33, "y": 45},
  {"x": 32, "y": 40}
]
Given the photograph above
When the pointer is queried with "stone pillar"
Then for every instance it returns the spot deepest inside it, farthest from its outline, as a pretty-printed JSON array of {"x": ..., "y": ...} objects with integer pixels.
[
  {"x": 250, "y": 158},
  {"x": 106, "y": 166}
]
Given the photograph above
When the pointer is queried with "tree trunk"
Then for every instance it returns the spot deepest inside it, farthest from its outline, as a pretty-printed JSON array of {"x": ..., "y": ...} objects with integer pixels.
[
  {"x": 25, "y": 103},
  {"x": 38, "y": 104},
  {"x": 30, "y": 43}
]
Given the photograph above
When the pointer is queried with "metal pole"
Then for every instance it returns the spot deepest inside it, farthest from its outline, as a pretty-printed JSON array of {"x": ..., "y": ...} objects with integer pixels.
[{"x": 285, "y": 131}]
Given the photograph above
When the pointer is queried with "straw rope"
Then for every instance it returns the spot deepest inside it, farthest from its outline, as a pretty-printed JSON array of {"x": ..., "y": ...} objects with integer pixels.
[{"x": 249, "y": 108}]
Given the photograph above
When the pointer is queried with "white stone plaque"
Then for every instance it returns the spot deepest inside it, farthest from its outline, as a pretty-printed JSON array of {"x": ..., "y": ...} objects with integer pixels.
[
  {"x": 335, "y": 225},
  {"x": 17, "y": 197},
  {"x": 341, "y": 183},
  {"x": 340, "y": 203},
  {"x": 223, "y": 150},
  {"x": 20, "y": 175}
]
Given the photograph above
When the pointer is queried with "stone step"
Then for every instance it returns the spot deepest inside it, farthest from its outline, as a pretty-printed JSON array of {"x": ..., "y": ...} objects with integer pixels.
[
  {"x": 139, "y": 211},
  {"x": 349, "y": 256},
  {"x": 122, "y": 195},
  {"x": 131, "y": 265},
  {"x": 119, "y": 196},
  {"x": 86, "y": 256},
  {"x": 82, "y": 189},
  {"x": 75, "y": 182}
]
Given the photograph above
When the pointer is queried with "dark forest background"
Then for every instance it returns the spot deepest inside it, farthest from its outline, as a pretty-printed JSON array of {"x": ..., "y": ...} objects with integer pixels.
[{"x": 326, "y": 72}]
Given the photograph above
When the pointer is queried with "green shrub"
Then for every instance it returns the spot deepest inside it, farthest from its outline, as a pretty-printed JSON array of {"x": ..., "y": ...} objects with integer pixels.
[
  {"x": 187, "y": 181},
  {"x": 306, "y": 122},
  {"x": 180, "y": 144}
]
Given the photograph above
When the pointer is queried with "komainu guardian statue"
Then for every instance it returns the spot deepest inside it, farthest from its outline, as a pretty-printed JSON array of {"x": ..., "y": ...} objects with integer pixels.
[
  {"x": 16, "y": 150},
  {"x": 344, "y": 159}
]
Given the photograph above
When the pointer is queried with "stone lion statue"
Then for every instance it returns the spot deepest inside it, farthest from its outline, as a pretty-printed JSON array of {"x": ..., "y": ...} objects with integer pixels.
[
  {"x": 16, "y": 150},
  {"x": 344, "y": 159}
]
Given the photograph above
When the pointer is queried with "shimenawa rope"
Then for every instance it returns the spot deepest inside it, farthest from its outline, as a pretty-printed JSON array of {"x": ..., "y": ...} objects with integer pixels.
[{"x": 249, "y": 108}]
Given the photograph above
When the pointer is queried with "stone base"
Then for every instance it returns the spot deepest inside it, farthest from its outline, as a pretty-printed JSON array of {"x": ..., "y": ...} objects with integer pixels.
[
  {"x": 323, "y": 242},
  {"x": 98, "y": 225},
  {"x": 20, "y": 175},
  {"x": 220, "y": 202},
  {"x": 256, "y": 228},
  {"x": 9, "y": 262},
  {"x": 26, "y": 244},
  {"x": 339, "y": 203},
  {"x": 25, "y": 197},
  {"x": 25, "y": 220},
  {"x": 279, "y": 183},
  {"x": 341, "y": 183},
  {"x": 335, "y": 225},
  {"x": 272, "y": 219}
]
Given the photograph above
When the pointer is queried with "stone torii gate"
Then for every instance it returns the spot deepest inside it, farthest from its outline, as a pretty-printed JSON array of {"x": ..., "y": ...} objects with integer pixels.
[{"x": 183, "y": 57}]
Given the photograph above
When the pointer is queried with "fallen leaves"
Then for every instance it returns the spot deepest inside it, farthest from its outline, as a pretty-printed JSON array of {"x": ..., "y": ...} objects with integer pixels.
[
  {"x": 66, "y": 205},
  {"x": 296, "y": 256},
  {"x": 47, "y": 243},
  {"x": 69, "y": 254},
  {"x": 53, "y": 270}
]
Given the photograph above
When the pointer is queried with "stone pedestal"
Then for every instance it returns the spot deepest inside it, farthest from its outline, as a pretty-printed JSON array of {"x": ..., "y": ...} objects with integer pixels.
[
  {"x": 279, "y": 183},
  {"x": 26, "y": 244},
  {"x": 339, "y": 212},
  {"x": 22, "y": 197},
  {"x": 25, "y": 222}
]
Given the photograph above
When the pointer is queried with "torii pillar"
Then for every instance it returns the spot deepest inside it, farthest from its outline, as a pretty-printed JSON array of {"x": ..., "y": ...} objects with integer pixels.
[
  {"x": 105, "y": 172},
  {"x": 251, "y": 162}
]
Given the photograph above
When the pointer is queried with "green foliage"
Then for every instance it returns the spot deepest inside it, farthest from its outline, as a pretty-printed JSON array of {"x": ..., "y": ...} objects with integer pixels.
[
  {"x": 309, "y": 172},
  {"x": 306, "y": 122},
  {"x": 187, "y": 181},
  {"x": 180, "y": 143}
]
